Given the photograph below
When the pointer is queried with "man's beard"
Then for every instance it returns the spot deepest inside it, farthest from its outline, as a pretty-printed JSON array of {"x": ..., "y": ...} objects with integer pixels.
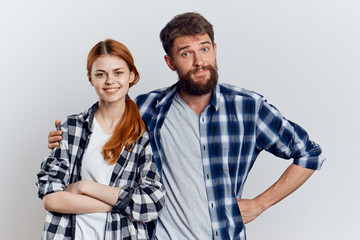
[{"x": 200, "y": 87}]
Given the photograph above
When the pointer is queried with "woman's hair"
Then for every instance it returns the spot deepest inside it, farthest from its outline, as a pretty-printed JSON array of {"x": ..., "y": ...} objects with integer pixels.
[{"x": 131, "y": 126}]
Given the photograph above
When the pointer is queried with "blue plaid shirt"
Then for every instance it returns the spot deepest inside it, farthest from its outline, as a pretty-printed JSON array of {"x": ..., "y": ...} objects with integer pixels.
[{"x": 235, "y": 127}]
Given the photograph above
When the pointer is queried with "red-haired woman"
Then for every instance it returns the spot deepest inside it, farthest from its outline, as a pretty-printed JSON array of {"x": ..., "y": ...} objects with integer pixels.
[{"x": 102, "y": 182}]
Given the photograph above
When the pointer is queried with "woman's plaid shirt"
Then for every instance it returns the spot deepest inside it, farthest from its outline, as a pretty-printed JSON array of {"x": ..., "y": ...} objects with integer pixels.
[{"x": 141, "y": 197}]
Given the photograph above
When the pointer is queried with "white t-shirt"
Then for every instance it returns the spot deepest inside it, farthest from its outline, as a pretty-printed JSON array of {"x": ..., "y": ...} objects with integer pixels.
[{"x": 94, "y": 168}]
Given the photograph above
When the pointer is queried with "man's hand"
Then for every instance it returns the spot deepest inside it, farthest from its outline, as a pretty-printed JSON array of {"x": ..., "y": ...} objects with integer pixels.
[
  {"x": 293, "y": 177},
  {"x": 249, "y": 208},
  {"x": 54, "y": 137}
]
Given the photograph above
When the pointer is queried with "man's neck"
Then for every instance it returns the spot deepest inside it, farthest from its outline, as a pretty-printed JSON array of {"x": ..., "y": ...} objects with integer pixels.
[{"x": 196, "y": 103}]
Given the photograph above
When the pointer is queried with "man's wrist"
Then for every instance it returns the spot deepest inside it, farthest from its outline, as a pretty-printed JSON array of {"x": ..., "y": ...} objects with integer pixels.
[{"x": 262, "y": 202}]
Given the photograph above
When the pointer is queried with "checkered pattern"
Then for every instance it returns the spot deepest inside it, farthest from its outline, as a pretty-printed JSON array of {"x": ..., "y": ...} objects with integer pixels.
[
  {"x": 234, "y": 128},
  {"x": 141, "y": 197}
]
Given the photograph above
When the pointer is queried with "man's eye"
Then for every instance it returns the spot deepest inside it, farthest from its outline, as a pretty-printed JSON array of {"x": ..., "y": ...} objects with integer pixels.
[
  {"x": 186, "y": 54},
  {"x": 205, "y": 49}
]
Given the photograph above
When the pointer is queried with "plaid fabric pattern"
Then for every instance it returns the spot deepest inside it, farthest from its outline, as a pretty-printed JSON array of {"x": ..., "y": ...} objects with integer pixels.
[
  {"x": 141, "y": 197},
  {"x": 234, "y": 128}
]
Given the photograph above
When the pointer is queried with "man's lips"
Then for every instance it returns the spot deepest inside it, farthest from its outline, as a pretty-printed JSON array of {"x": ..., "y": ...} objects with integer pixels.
[{"x": 200, "y": 72}]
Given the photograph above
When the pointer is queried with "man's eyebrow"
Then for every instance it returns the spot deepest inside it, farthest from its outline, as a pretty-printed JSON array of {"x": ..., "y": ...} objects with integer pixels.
[
  {"x": 182, "y": 48},
  {"x": 205, "y": 42},
  {"x": 187, "y": 46}
]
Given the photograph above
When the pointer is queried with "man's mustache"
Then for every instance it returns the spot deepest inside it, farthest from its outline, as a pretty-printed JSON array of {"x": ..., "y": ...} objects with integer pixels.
[{"x": 210, "y": 68}]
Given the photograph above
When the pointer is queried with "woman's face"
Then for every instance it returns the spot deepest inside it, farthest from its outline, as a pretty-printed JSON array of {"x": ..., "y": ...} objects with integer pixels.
[{"x": 111, "y": 77}]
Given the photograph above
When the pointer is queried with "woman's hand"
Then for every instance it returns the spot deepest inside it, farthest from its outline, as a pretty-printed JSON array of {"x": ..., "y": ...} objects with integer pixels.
[
  {"x": 95, "y": 190},
  {"x": 78, "y": 187}
]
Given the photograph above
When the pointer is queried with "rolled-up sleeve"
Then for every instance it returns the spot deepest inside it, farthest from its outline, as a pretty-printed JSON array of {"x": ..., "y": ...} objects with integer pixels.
[
  {"x": 144, "y": 201},
  {"x": 54, "y": 170},
  {"x": 286, "y": 139}
]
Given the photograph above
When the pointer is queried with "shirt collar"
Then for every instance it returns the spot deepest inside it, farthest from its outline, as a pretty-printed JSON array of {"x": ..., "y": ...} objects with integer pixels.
[
  {"x": 215, "y": 98},
  {"x": 168, "y": 96},
  {"x": 87, "y": 117}
]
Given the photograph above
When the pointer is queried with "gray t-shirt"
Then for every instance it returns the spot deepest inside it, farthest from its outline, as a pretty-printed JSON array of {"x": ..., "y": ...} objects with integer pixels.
[{"x": 186, "y": 213}]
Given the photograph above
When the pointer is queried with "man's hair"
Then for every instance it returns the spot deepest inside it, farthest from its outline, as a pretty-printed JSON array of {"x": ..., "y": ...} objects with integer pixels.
[{"x": 186, "y": 24}]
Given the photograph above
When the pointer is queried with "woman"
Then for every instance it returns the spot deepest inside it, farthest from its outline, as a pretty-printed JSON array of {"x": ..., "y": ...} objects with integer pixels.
[{"x": 102, "y": 182}]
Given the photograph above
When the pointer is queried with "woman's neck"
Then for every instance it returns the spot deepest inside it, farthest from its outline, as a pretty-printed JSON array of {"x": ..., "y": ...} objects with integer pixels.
[{"x": 109, "y": 114}]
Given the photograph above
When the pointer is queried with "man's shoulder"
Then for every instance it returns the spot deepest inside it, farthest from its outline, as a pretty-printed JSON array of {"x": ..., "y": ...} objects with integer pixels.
[
  {"x": 150, "y": 99},
  {"x": 152, "y": 94},
  {"x": 235, "y": 91}
]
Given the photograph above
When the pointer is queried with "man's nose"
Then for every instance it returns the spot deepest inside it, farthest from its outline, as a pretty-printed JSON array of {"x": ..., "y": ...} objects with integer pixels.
[{"x": 198, "y": 59}]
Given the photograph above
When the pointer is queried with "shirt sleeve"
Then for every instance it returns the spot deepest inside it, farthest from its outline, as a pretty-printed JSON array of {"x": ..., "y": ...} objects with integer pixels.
[
  {"x": 54, "y": 170},
  {"x": 286, "y": 139},
  {"x": 143, "y": 202}
]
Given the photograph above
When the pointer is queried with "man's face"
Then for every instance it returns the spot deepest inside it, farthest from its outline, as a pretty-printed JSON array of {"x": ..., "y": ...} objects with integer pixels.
[{"x": 194, "y": 59}]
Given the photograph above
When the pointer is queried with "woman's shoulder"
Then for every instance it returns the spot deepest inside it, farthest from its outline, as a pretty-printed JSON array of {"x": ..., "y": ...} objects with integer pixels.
[
  {"x": 143, "y": 142},
  {"x": 72, "y": 120},
  {"x": 79, "y": 120},
  {"x": 145, "y": 137}
]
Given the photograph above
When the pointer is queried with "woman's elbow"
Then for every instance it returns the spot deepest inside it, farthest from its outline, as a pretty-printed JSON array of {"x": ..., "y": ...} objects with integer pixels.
[{"x": 50, "y": 202}]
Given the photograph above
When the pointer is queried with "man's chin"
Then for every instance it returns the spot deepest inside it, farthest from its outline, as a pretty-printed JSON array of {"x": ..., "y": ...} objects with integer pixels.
[
  {"x": 195, "y": 88},
  {"x": 198, "y": 84}
]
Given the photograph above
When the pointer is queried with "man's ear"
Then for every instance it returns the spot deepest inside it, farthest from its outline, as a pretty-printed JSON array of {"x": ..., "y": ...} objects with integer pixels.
[
  {"x": 169, "y": 62},
  {"x": 215, "y": 48}
]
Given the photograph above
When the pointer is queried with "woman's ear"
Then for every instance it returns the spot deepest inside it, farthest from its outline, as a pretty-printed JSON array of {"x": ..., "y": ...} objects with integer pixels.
[
  {"x": 132, "y": 77},
  {"x": 90, "y": 80}
]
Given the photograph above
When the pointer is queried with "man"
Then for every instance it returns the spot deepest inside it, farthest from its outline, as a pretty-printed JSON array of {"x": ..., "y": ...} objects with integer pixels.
[{"x": 206, "y": 137}]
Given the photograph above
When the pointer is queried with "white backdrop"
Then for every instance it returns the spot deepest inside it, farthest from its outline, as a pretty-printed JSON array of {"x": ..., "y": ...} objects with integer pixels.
[{"x": 304, "y": 56}]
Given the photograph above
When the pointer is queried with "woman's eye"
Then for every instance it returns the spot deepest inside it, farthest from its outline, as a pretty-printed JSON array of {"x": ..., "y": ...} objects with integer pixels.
[
  {"x": 118, "y": 73},
  {"x": 99, "y": 75}
]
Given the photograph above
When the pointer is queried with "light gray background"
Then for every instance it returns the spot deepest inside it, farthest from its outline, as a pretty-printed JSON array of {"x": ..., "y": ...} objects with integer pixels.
[{"x": 304, "y": 56}]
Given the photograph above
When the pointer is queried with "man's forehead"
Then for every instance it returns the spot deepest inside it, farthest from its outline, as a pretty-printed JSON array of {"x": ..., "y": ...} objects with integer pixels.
[{"x": 183, "y": 41}]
